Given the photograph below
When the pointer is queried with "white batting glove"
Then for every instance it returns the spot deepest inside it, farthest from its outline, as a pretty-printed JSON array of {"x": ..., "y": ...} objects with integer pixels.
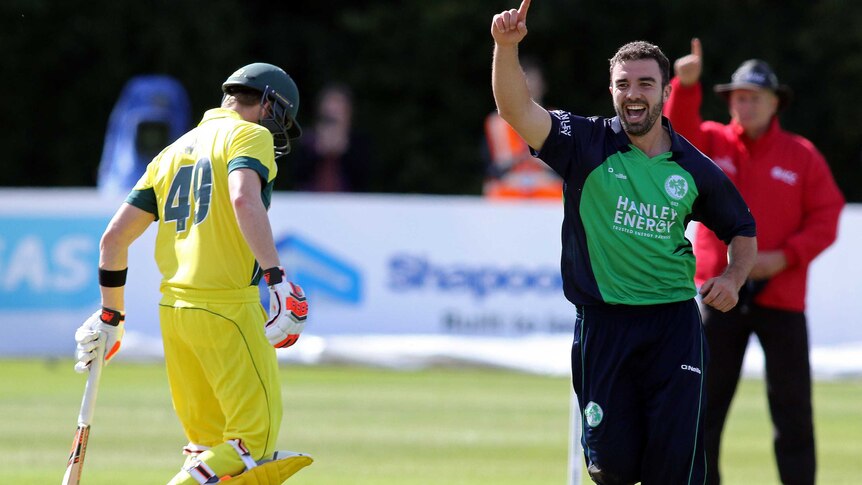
[
  {"x": 107, "y": 322},
  {"x": 288, "y": 309}
]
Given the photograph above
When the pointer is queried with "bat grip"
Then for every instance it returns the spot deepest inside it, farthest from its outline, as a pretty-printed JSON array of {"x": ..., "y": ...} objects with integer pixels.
[{"x": 91, "y": 389}]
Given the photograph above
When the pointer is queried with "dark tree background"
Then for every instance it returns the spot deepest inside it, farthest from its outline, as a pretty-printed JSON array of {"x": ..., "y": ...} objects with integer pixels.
[{"x": 420, "y": 70}]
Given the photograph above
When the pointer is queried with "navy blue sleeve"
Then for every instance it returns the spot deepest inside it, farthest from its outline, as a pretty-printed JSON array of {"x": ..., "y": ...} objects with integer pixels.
[
  {"x": 568, "y": 133},
  {"x": 719, "y": 206}
]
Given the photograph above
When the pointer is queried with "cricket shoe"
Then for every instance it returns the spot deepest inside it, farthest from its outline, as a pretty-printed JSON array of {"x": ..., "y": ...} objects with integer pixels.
[{"x": 272, "y": 471}]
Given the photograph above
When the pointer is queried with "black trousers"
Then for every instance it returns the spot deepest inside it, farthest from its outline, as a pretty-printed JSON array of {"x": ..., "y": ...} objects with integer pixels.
[{"x": 784, "y": 338}]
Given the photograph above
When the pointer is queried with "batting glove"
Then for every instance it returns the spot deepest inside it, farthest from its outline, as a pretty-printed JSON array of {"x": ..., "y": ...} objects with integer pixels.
[
  {"x": 105, "y": 322},
  {"x": 288, "y": 309}
]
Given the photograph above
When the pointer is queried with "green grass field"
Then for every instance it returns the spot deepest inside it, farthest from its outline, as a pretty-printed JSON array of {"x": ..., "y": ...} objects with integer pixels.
[{"x": 374, "y": 427}]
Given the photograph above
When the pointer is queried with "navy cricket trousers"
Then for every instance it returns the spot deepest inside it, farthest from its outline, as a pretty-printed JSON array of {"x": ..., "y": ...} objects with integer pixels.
[{"x": 638, "y": 372}]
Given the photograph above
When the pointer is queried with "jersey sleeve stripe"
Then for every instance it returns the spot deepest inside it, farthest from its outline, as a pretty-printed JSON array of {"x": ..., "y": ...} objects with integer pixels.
[
  {"x": 145, "y": 200},
  {"x": 251, "y": 163}
]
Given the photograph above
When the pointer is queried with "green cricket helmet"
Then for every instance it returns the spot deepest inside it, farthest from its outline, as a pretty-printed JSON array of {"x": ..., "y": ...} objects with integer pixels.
[{"x": 278, "y": 88}]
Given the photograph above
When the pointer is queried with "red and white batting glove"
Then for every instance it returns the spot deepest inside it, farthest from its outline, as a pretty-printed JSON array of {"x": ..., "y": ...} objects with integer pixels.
[
  {"x": 105, "y": 322},
  {"x": 288, "y": 309}
]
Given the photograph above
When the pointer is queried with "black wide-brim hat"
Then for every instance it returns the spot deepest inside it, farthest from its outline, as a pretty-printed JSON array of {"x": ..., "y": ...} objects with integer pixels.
[{"x": 755, "y": 74}]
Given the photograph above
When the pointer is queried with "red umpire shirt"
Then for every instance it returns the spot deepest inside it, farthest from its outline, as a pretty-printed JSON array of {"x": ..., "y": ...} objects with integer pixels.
[{"x": 784, "y": 180}]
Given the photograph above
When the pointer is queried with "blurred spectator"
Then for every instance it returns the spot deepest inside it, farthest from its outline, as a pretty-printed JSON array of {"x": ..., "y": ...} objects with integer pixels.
[
  {"x": 512, "y": 171},
  {"x": 331, "y": 156},
  {"x": 151, "y": 112}
]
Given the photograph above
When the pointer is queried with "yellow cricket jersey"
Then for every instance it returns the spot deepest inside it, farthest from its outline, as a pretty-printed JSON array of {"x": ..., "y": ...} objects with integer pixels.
[{"x": 200, "y": 250}]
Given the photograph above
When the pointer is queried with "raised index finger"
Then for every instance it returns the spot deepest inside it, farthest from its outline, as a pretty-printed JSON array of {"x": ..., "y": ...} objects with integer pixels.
[
  {"x": 696, "y": 49},
  {"x": 522, "y": 10}
]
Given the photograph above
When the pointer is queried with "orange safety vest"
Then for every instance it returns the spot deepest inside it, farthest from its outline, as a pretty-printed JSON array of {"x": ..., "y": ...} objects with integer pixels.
[{"x": 516, "y": 173}]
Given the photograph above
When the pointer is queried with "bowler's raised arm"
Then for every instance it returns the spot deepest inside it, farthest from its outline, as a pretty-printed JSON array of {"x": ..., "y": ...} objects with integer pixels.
[{"x": 531, "y": 121}]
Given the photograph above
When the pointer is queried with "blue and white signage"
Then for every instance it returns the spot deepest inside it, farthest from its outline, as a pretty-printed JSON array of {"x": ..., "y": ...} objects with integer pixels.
[
  {"x": 49, "y": 262},
  {"x": 370, "y": 264}
]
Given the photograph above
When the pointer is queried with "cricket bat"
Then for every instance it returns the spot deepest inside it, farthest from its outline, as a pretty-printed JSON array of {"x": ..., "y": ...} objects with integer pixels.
[{"x": 85, "y": 418}]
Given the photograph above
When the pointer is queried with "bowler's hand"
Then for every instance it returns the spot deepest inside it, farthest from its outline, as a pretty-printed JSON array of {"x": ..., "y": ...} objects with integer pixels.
[
  {"x": 509, "y": 27},
  {"x": 721, "y": 293},
  {"x": 688, "y": 68}
]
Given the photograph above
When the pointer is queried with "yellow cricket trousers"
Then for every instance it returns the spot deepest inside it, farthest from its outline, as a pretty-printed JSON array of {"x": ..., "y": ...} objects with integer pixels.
[{"x": 223, "y": 377}]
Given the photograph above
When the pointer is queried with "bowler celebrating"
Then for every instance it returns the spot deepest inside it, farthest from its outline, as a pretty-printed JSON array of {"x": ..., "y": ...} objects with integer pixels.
[{"x": 631, "y": 186}]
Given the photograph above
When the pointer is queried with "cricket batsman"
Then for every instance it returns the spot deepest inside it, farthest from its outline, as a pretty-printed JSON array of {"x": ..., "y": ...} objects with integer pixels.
[{"x": 209, "y": 192}]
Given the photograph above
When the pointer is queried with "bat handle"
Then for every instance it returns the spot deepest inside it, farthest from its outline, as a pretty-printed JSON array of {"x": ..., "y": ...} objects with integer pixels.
[
  {"x": 91, "y": 389},
  {"x": 85, "y": 417}
]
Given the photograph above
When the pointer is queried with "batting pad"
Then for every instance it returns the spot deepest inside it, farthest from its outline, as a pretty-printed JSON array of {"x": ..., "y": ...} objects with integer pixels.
[{"x": 272, "y": 472}]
